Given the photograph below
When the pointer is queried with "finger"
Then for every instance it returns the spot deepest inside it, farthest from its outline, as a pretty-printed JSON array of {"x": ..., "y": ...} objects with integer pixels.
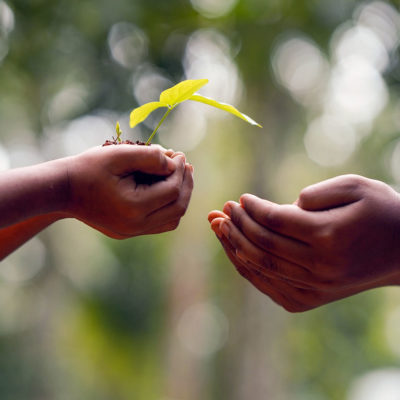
[
  {"x": 250, "y": 271},
  {"x": 216, "y": 214},
  {"x": 161, "y": 193},
  {"x": 128, "y": 158},
  {"x": 334, "y": 192},
  {"x": 262, "y": 260},
  {"x": 178, "y": 207},
  {"x": 288, "y": 219},
  {"x": 292, "y": 299},
  {"x": 283, "y": 246}
]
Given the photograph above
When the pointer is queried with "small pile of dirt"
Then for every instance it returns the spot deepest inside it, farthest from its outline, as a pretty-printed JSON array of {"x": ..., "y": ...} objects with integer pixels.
[{"x": 114, "y": 141}]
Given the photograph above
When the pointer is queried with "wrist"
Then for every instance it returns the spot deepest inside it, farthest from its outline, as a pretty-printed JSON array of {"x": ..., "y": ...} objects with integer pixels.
[
  {"x": 31, "y": 191},
  {"x": 55, "y": 188}
]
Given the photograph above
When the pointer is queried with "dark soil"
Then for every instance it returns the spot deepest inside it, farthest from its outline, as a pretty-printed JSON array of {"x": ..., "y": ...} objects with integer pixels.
[
  {"x": 114, "y": 141},
  {"x": 140, "y": 177}
]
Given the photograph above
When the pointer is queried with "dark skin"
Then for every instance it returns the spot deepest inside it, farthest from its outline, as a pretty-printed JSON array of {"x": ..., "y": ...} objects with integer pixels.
[
  {"x": 97, "y": 188},
  {"x": 339, "y": 238}
]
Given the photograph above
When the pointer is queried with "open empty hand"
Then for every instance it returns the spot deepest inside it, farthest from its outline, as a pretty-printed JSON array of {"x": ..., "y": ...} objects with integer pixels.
[{"x": 340, "y": 237}]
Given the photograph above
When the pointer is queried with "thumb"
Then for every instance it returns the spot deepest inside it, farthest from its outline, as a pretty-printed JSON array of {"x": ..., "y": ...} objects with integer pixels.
[
  {"x": 334, "y": 192},
  {"x": 148, "y": 159}
]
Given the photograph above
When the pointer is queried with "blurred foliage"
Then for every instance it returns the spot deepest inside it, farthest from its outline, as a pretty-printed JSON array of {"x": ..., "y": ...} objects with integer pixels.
[{"x": 103, "y": 319}]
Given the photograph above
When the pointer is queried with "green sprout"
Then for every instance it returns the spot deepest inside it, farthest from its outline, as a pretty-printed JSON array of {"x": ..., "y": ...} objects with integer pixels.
[
  {"x": 170, "y": 98},
  {"x": 118, "y": 132}
]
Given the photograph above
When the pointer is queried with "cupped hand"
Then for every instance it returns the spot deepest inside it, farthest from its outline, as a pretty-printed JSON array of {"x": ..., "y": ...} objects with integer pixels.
[
  {"x": 104, "y": 194},
  {"x": 340, "y": 237}
]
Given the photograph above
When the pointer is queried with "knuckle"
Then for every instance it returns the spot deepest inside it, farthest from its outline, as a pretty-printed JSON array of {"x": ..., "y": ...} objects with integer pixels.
[{"x": 355, "y": 183}]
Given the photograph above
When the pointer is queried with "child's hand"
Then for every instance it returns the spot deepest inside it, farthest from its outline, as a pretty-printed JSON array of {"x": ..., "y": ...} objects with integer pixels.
[
  {"x": 104, "y": 194},
  {"x": 340, "y": 237}
]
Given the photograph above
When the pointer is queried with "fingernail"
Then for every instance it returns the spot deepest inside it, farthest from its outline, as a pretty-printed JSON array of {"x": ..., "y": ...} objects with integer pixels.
[{"x": 224, "y": 228}]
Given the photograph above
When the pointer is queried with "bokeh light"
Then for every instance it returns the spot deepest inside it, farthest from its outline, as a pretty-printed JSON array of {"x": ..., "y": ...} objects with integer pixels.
[
  {"x": 213, "y": 8},
  {"x": 382, "y": 384},
  {"x": 357, "y": 91},
  {"x": 68, "y": 102},
  {"x": 7, "y": 19},
  {"x": 330, "y": 141},
  {"x": 22, "y": 266},
  {"x": 128, "y": 44},
  {"x": 207, "y": 55},
  {"x": 362, "y": 42},
  {"x": 392, "y": 330},
  {"x": 4, "y": 159},
  {"x": 383, "y": 19},
  {"x": 300, "y": 67},
  {"x": 203, "y": 329}
]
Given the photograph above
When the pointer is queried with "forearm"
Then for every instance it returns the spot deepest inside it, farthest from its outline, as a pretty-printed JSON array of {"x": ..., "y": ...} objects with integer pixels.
[
  {"x": 16, "y": 235},
  {"x": 32, "y": 191}
]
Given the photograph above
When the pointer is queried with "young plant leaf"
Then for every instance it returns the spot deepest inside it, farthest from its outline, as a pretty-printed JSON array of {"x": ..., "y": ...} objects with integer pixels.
[
  {"x": 118, "y": 132},
  {"x": 171, "y": 97},
  {"x": 182, "y": 91},
  {"x": 139, "y": 114},
  {"x": 225, "y": 107}
]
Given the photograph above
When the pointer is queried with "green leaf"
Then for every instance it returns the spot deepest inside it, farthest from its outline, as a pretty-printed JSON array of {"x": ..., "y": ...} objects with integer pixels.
[
  {"x": 118, "y": 131},
  {"x": 139, "y": 114},
  {"x": 182, "y": 91},
  {"x": 225, "y": 107}
]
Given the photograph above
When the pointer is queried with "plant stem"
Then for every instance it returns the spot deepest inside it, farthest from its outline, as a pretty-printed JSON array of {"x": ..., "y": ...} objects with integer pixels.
[{"x": 159, "y": 124}]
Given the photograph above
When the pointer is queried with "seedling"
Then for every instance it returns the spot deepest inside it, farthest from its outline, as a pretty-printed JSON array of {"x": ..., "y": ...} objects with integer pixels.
[
  {"x": 118, "y": 132},
  {"x": 170, "y": 98}
]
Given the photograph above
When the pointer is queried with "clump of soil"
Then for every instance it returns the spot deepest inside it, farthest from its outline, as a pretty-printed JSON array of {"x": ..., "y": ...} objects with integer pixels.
[
  {"x": 114, "y": 141},
  {"x": 141, "y": 178}
]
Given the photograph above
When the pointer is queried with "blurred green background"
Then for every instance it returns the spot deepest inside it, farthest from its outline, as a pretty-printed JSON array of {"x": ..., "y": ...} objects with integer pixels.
[{"x": 167, "y": 317}]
